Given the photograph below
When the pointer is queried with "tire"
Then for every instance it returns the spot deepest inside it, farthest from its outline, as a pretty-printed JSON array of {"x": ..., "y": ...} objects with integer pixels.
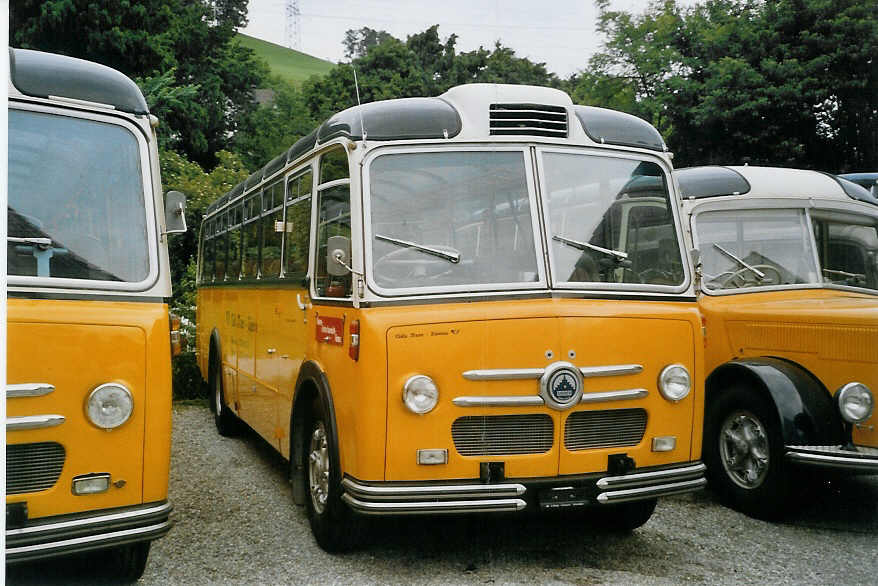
[
  {"x": 127, "y": 563},
  {"x": 744, "y": 454},
  {"x": 336, "y": 529},
  {"x": 625, "y": 517},
  {"x": 226, "y": 422}
]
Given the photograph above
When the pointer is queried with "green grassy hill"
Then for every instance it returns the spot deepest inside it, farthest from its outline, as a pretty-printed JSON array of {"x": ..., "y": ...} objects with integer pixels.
[{"x": 288, "y": 64}]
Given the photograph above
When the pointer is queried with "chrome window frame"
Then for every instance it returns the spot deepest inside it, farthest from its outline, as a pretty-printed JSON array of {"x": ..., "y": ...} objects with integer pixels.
[
  {"x": 294, "y": 173},
  {"x": 673, "y": 200},
  {"x": 316, "y": 188},
  {"x": 151, "y": 223},
  {"x": 805, "y": 204},
  {"x": 525, "y": 150}
]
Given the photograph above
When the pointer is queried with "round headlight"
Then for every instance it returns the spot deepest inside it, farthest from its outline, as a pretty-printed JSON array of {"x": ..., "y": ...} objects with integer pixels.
[
  {"x": 855, "y": 402},
  {"x": 420, "y": 394},
  {"x": 674, "y": 382},
  {"x": 109, "y": 405}
]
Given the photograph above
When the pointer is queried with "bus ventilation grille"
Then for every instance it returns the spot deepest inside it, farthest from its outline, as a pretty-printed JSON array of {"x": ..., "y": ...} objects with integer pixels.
[
  {"x": 589, "y": 430},
  {"x": 496, "y": 435},
  {"x": 33, "y": 467},
  {"x": 528, "y": 119}
]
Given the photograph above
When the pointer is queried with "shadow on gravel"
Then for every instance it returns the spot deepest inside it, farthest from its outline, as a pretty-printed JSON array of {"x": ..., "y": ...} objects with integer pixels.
[{"x": 76, "y": 570}]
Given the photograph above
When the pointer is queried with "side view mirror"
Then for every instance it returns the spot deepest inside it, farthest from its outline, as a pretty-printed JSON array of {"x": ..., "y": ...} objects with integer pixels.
[
  {"x": 338, "y": 256},
  {"x": 175, "y": 213}
]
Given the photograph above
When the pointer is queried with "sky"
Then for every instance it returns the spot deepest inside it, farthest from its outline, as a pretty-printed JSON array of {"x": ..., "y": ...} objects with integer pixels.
[{"x": 563, "y": 37}]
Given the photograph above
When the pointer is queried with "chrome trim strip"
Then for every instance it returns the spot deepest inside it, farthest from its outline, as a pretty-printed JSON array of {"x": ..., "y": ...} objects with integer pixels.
[
  {"x": 159, "y": 528},
  {"x": 636, "y": 494},
  {"x": 537, "y": 401},
  {"x": 33, "y": 422},
  {"x": 504, "y": 374},
  {"x": 511, "y": 401},
  {"x": 28, "y": 390},
  {"x": 670, "y": 474},
  {"x": 834, "y": 461},
  {"x": 534, "y": 373},
  {"x": 433, "y": 492},
  {"x": 612, "y": 370},
  {"x": 623, "y": 395},
  {"x": 434, "y": 507},
  {"x": 51, "y": 527}
]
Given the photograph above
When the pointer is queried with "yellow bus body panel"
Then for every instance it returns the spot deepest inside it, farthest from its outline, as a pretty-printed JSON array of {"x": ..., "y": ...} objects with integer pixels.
[
  {"x": 76, "y": 346},
  {"x": 833, "y": 334},
  {"x": 379, "y": 436}
]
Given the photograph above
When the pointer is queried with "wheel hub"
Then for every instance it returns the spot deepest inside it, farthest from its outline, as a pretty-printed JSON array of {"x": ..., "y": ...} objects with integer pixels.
[
  {"x": 744, "y": 449},
  {"x": 318, "y": 468}
]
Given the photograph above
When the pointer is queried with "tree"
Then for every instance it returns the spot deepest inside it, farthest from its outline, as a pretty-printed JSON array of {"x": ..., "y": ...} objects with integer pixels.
[
  {"x": 358, "y": 42},
  {"x": 791, "y": 82},
  {"x": 150, "y": 38}
]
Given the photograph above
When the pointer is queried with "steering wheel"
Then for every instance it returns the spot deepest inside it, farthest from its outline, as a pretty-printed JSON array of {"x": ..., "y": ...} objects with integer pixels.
[
  {"x": 744, "y": 277},
  {"x": 407, "y": 267}
]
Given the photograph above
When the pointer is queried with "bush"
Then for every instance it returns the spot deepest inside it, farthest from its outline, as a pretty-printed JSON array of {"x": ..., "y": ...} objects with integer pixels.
[{"x": 187, "y": 382}]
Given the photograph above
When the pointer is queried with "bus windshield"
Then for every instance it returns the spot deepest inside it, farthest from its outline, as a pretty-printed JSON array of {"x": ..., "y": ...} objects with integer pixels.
[
  {"x": 609, "y": 221},
  {"x": 756, "y": 248},
  {"x": 76, "y": 200},
  {"x": 452, "y": 220}
]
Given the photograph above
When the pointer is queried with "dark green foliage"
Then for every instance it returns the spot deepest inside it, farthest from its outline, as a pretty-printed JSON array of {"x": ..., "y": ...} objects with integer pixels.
[
  {"x": 358, "y": 42},
  {"x": 187, "y": 381},
  {"x": 149, "y": 40},
  {"x": 790, "y": 82}
]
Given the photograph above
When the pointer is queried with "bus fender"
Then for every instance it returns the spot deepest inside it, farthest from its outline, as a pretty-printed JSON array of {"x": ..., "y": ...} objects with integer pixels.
[
  {"x": 310, "y": 384},
  {"x": 805, "y": 409}
]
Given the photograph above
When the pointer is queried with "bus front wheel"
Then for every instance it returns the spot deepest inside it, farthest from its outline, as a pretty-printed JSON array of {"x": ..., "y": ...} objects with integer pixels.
[
  {"x": 334, "y": 526},
  {"x": 128, "y": 562},
  {"x": 743, "y": 451}
]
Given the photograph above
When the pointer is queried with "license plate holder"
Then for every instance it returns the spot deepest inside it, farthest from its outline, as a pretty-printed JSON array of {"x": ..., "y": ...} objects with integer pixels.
[{"x": 564, "y": 497}]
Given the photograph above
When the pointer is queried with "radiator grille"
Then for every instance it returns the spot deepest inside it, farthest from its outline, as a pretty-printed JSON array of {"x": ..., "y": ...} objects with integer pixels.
[
  {"x": 33, "y": 467},
  {"x": 529, "y": 119},
  {"x": 497, "y": 435},
  {"x": 586, "y": 430}
]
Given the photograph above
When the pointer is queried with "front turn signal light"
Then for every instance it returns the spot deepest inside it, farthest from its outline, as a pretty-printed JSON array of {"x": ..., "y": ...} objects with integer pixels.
[{"x": 178, "y": 340}]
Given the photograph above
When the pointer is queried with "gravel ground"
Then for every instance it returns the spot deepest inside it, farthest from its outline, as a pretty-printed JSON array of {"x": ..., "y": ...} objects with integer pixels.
[{"x": 236, "y": 524}]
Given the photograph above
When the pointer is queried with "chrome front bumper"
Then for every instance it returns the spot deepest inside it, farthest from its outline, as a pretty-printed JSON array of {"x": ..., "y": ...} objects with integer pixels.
[
  {"x": 66, "y": 534},
  {"x": 396, "y": 499},
  {"x": 863, "y": 459}
]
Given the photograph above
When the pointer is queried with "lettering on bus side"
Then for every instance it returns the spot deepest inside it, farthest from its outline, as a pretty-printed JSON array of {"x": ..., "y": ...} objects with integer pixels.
[{"x": 330, "y": 330}]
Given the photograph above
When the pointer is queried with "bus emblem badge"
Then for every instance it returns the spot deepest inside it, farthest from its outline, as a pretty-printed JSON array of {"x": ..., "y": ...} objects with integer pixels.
[{"x": 561, "y": 385}]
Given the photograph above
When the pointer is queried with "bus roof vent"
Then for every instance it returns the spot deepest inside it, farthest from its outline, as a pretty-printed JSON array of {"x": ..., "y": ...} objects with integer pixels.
[{"x": 530, "y": 119}]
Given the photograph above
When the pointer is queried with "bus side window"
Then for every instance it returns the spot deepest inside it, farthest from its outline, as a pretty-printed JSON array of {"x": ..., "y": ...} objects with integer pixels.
[
  {"x": 272, "y": 229},
  {"x": 233, "y": 266},
  {"x": 221, "y": 244},
  {"x": 333, "y": 219},
  {"x": 250, "y": 260},
  {"x": 209, "y": 242},
  {"x": 298, "y": 225}
]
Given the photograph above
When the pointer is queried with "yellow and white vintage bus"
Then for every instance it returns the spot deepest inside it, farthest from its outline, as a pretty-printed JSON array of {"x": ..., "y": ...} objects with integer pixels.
[
  {"x": 88, "y": 395},
  {"x": 789, "y": 289},
  {"x": 455, "y": 305}
]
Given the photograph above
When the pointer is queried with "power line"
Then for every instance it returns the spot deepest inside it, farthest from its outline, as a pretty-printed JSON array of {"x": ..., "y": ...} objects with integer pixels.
[{"x": 449, "y": 24}]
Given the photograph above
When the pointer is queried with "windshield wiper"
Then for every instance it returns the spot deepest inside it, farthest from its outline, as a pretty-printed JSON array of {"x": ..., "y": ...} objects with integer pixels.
[
  {"x": 847, "y": 275},
  {"x": 41, "y": 242},
  {"x": 586, "y": 246},
  {"x": 759, "y": 274},
  {"x": 453, "y": 256}
]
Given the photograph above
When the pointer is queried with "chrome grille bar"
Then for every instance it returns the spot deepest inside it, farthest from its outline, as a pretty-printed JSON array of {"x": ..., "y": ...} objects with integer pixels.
[
  {"x": 28, "y": 390},
  {"x": 33, "y": 422},
  {"x": 535, "y": 373},
  {"x": 513, "y": 401},
  {"x": 613, "y": 396}
]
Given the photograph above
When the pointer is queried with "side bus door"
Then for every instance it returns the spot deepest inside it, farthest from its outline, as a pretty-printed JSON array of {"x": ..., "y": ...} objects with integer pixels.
[
  {"x": 331, "y": 312},
  {"x": 294, "y": 297}
]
